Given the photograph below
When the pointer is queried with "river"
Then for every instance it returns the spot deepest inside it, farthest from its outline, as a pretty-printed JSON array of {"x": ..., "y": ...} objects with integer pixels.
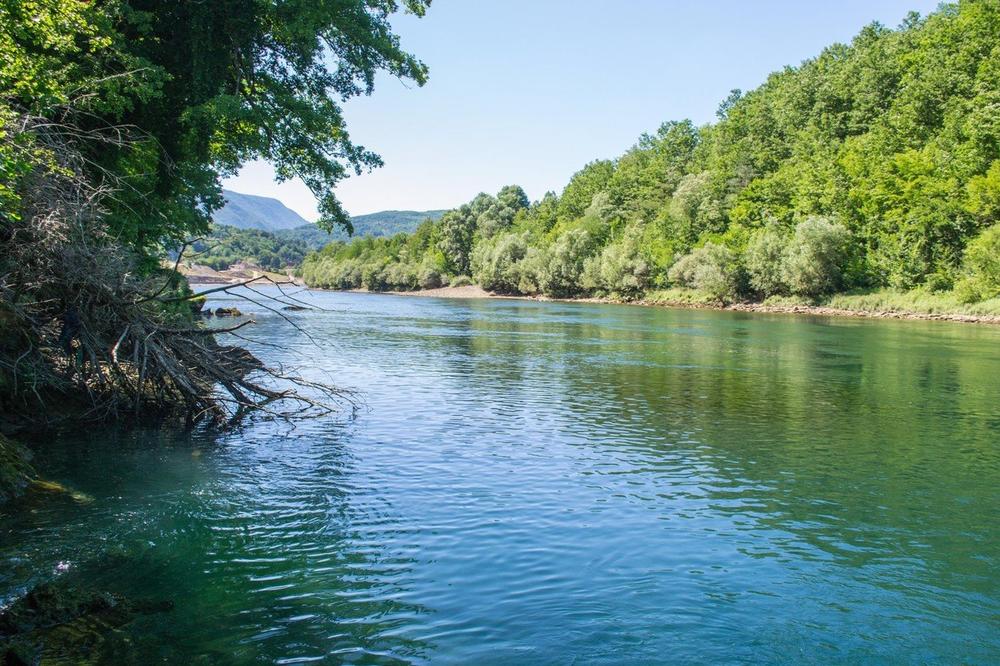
[{"x": 533, "y": 482}]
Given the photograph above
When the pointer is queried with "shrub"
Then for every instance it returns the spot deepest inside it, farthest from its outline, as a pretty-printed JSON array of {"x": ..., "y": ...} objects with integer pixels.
[
  {"x": 982, "y": 267},
  {"x": 712, "y": 268},
  {"x": 814, "y": 259},
  {"x": 562, "y": 267},
  {"x": 529, "y": 269},
  {"x": 401, "y": 277},
  {"x": 429, "y": 277},
  {"x": 373, "y": 277},
  {"x": 460, "y": 281},
  {"x": 764, "y": 259},
  {"x": 621, "y": 268},
  {"x": 494, "y": 262}
]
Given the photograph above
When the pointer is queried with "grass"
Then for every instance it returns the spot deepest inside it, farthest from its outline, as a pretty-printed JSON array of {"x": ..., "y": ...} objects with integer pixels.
[
  {"x": 889, "y": 300},
  {"x": 678, "y": 296},
  {"x": 880, "y": 300}
]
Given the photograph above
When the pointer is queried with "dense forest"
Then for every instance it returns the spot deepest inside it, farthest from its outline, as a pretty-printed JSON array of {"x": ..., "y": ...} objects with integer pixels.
[
  {"x": 873, "y": 165},
  {"x": 382, "y": 223},
  {"x": 225, "y": 246}
]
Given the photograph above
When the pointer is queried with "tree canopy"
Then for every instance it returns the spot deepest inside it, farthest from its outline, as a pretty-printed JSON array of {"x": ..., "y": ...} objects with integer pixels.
[{"x": 198, "y": 89}]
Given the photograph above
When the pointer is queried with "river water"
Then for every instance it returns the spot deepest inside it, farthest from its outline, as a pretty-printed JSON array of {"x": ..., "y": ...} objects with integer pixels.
[{"x": 558, "y": 483}]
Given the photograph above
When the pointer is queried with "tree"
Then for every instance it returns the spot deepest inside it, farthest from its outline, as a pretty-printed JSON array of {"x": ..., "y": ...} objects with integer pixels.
[
  {"x": 500, "y": 214},
  {"x": 582, "y": 187},
  {"x": 117, "y": 120},
  {"x": 764, "y": 261},
  {"x": 458, "y": 227},
  {"x": 205, "y": 86},
  {"x": 712, "y": 269},
  {"x": 813, "y": 262}
]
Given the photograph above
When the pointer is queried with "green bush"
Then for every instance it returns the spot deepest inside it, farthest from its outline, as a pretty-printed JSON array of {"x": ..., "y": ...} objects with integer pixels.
[
  {"x": 460, "y": 281},
  {"x": 982, "y": 267},
  {"x": 814, "y": 259},
  {"x": 764, "y": 261},
  {"x": 621, "y": 268},
  {"x": 429, "y": 277},
  {"x": 529, "y": 269},
  {"x": 560, "y": 271},
  {"x": 401, "y": 277},
  {"x": 373, "y": 277},
  {"x": 713, "y": 269},
  {"x": 495, "y": 262}
]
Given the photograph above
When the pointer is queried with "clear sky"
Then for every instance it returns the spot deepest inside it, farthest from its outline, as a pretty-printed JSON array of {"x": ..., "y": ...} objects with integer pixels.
[{"x": 528, "y": 91}]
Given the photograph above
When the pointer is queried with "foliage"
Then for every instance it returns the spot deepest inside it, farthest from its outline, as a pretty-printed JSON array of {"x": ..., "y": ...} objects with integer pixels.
[
  {"x": 712, "y": 269},
  {"x": 764, "y": 261},
  {"x": 982, "y": 267},
  {"x": 495, "y": 262},
  {"x": 621, "y": 269},
  {"x": 894, "y": 135},
  {"x": 382, "y": 223},
  {"x": 226, "y": 246},
  {"x": 559, "y": 270},
  {"x": 197, "y": 89},
  {"x": 118, "y": 119},
  {"x": 812, "y": 264}
]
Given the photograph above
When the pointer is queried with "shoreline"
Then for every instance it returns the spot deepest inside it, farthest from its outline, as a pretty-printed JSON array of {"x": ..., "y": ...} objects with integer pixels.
[{"x": 477, "y": 292}]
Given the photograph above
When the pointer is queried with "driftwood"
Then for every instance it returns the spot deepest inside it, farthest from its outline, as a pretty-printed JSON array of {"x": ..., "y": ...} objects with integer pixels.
[{"x": 81, "y": 325}]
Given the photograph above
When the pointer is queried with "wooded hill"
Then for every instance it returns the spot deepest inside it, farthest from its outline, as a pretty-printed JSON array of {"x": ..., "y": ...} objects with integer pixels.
[
  {"x": 250, "y": 242},
  {"x": 874, "y": 164}
]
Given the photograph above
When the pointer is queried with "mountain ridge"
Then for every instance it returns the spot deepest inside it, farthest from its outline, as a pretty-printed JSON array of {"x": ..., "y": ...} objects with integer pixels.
[{"x": 251, "y": 211}]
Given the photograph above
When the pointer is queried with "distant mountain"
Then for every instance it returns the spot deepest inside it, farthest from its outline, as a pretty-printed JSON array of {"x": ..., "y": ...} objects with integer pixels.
[
  {"x": 383, "y": 223},
  {"x": 247, "y": 211},
  {"x": 264, "y": 232}
]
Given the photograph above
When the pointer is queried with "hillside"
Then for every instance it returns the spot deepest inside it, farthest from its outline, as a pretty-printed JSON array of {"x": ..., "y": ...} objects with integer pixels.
[
  {"x": 248, "y": 211},
  {"x": 382, "y": 223},
  {"x": 284, "y": 248},
  {"x": 873, "y": 166}
]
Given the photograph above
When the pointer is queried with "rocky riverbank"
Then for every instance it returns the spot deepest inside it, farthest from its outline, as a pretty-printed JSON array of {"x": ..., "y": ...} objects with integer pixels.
[{"x": 475, "y": 291}]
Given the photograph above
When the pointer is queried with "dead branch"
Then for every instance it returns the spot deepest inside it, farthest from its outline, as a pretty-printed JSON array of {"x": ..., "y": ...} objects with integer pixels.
[{"x": 83, "y": 325}]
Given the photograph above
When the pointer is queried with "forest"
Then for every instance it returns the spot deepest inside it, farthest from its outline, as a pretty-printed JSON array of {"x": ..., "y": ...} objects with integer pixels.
[
  {"x": 226, "y": 245},
  {"x": 874, "y": 165}
]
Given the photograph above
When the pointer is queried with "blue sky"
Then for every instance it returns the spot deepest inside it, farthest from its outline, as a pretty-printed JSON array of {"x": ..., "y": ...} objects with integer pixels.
[{"x": 528, "y": 91}]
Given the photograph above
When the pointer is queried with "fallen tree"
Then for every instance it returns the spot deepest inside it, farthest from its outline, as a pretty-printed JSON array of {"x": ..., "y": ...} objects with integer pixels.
[{"x": 88, "y": 330}]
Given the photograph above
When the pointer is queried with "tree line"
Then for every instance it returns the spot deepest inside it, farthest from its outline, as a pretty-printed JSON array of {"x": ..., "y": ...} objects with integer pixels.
[
  {"x": 226, "y": 245},
  {"x": 875, "y": 164}
]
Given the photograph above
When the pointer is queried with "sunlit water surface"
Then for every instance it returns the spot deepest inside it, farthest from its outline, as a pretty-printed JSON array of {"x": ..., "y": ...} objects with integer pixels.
[{"x": 559, "y": 483}]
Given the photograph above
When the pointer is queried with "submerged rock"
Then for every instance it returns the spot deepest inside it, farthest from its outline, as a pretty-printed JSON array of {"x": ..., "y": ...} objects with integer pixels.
[
  {"x": 197, "y": 306},
  {"x": 56, "y": 488},
  {"x": 58, "y": 623},
  {"x": 295, "y": 308},
  {"x": 228, "y": 312}
]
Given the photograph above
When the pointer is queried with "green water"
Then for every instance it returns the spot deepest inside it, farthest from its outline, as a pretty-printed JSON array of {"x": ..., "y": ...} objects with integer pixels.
[{"x": 560, "y": 483}]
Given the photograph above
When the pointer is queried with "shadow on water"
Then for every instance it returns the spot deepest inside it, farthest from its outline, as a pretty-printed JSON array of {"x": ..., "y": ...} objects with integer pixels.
[{"x": 258, "y": 539}]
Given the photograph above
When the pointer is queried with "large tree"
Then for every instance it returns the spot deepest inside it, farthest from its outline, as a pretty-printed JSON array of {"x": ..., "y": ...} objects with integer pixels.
[
  {"x": 203, "y": 87},
  {"x": 118, "y": 119}
]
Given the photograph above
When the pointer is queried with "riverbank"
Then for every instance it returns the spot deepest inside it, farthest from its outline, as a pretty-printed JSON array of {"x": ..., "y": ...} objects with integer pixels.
[
  {"x": 873, "y": 305},
  {"x": 201, "y": 274}
]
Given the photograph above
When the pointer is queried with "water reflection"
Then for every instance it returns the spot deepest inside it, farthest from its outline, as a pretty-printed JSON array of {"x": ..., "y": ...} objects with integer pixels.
[{"x": 543, "y": 482}]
